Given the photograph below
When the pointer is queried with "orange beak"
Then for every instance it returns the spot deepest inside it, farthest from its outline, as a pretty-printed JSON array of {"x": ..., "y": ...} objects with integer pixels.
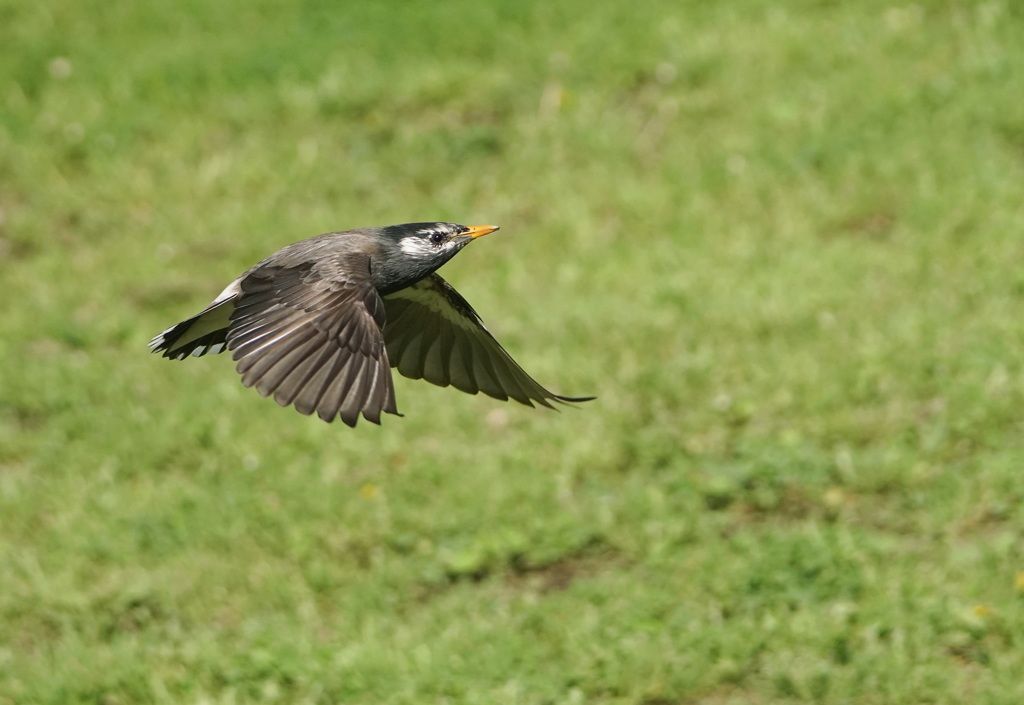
[{"x": 476, "y": 231}]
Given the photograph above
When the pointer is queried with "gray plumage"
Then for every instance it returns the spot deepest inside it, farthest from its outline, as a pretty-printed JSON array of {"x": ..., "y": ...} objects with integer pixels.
[{"x": 319, "y": 324}]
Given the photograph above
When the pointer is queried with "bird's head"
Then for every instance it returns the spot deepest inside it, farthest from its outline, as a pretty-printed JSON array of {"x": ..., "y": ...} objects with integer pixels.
[
  {"x": 436, "y": 241},
  {"x": 417, "y": 249},
  {"x": 414, "y": 250}
]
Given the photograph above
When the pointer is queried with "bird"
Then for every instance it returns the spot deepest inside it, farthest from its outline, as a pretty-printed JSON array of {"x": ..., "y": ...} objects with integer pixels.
[{"x": 319, "y": 324}]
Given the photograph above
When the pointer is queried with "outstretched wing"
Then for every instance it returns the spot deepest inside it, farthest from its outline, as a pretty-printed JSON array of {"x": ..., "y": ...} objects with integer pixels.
[
  {"x": 433, "y": 333},
  {"x": 310, "y": 335}
]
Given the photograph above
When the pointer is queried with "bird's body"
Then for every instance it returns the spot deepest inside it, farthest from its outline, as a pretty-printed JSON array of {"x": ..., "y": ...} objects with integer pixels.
[{"x": 320, "y": 323}]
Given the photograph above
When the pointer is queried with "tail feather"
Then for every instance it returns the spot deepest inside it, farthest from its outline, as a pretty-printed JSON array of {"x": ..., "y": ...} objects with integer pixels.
[{"x": 204, "y": 333}]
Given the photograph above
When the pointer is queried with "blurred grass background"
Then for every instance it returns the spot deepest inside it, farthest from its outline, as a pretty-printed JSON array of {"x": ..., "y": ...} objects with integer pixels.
[{"x": 781, "y": 242}]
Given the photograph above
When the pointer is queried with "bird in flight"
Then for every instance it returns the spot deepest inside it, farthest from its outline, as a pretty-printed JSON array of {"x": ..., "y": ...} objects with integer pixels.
[{"x": 319, "y": 324}]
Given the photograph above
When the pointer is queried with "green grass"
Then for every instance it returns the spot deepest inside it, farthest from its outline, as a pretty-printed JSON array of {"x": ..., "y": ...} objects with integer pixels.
[{"x": 782, "y": 242}]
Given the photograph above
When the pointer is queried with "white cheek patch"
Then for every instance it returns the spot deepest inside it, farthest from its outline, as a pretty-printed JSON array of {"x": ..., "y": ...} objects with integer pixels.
[{"x": 416, "y": 247}]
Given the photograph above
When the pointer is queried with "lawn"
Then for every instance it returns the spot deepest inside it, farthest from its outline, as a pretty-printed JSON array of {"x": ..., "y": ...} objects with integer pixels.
[{"x": 782, "y": 243}]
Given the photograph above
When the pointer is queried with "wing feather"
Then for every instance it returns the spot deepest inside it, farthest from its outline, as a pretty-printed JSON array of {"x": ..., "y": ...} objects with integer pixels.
[
  {"x": 310, "y": 335},
  {"x": 433, "y": 333}
]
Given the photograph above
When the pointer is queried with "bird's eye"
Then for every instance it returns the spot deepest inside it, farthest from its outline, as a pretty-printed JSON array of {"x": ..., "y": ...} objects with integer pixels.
[{"x": 436, "y": 237}]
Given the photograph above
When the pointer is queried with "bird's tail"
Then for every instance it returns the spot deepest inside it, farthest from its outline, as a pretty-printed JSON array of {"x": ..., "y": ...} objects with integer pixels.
[{"x": 204, "y": 333}]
